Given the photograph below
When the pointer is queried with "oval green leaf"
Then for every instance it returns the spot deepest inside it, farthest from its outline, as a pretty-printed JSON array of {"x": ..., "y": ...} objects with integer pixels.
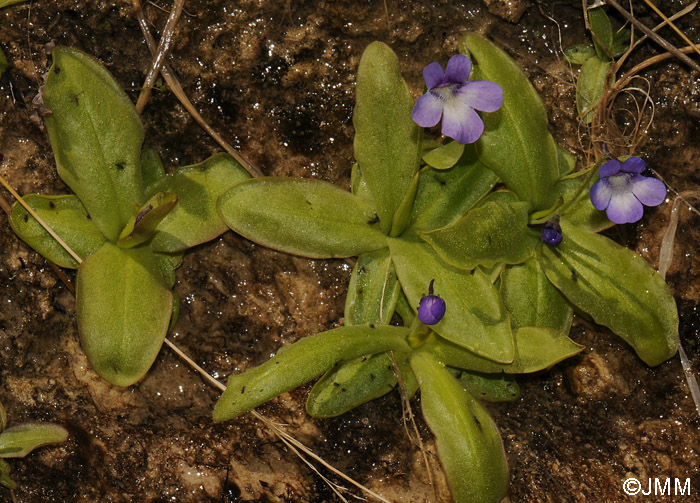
[
  {"x": 194, "y": 219},
  {"x": 468, "y": 442},
  {"x": 96, "y": 137},
  {"x": 358, "y": 381},
  {"x": 536, "y": 348},
  {"x": 18, "y": 441},
  {"x": 387, "y": 141},
  {"x": 590, "y": 86},
  {"x": 578, "y": 54},
  {"x": 618, "y": 288},
  {"x": 124, "y": 307},
  {"x": 532, "y": 300},
  {"x": 493, "y": 233},
  {"x": 602, "y": 32},
  {"x": 444, "y": 156},
  {"x": 489, "y": 387},
  {"x": 67, "y": 217},
  {"x": 305, "y": 217},
  {"x": 475, "y": 317},
  {"x": 373, "y": 290},
  {"x": 516, "y": 143},
  {"x": 444, "y": 196},
  {"x": 303, "y": 361}
]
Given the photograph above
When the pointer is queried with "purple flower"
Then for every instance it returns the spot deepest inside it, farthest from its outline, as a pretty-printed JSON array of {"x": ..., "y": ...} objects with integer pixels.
[
  {"x": 452, "y": 96},
  {"x": 551, "y": 232},
  {"x": 621, "y": 190},
  {"x": 431, "y": 308}
]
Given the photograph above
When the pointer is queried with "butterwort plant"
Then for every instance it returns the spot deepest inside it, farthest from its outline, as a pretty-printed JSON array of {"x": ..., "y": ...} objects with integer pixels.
[
  {"x": 494, "y": 225},
  {"x": 127, "y": 221}
]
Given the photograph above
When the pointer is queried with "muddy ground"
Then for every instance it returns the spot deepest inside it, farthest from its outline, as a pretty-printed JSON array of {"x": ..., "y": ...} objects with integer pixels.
[{"x": 277, "y": 80}]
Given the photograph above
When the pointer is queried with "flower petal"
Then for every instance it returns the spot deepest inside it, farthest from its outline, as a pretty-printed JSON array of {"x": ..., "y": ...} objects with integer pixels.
[
  {"x": 633, "y": 165},
  {"x": 612, "y": 167},
  {"x": 433, "y": 75},
  {"x": 625, "y": 208},
  {"x": 458, "y": 69},
  {"x": 600, "y": 194},
  {"x": 649, "y": 191},
  {"x": 427, "y": 110},
  {"x": 462, "y": 123},
  {"x": 482, "y": 95}
]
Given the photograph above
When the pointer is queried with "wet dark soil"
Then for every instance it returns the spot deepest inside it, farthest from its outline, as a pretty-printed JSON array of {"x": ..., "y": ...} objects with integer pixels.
[{"x": 277, "y": 80}]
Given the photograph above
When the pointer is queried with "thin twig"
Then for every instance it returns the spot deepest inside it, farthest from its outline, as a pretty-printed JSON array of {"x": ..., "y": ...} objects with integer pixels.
[
  {"x": 627, "y": 77},
  {"x": 177, "y": 90},
  {"x": 672, "y": 25},
  {"x": 677, "y": 15},
  {"x": 656, "y": 38},
  {"x": 164, "y": 45}
]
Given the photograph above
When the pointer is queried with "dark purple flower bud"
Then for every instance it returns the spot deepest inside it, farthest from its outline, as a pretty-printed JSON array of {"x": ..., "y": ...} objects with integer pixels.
[
  {"x": 551, "y": 232},
  {"x": 431, "y": 308}
]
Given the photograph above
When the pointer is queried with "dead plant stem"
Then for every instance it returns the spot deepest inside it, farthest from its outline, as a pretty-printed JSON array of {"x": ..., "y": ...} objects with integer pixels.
[
  {"x": 161, "y": 53},
  {"x": 283, "y": 435},
  {"x": 656, "y": 38},
  {"x": 177, "y": 90}
]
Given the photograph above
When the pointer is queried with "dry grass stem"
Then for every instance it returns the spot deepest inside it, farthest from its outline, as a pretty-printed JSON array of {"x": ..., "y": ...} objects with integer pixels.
[
  {"x": 283, "y": 435},
  {"x": 633, "y": 46},
  {"x": 656, "y": 38},
  {"x": 177, "y": 90},
  {"x": 672, "y": 25},
  {"x": 161, "y": 53}
]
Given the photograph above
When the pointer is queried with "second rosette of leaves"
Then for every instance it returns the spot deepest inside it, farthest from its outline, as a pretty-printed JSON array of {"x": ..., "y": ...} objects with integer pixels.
[{"x": 466, "y": 217}]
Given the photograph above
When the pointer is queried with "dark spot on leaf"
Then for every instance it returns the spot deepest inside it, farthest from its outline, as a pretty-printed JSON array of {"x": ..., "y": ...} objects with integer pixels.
[
  {"x": 308, "y": 202},
  {"x": 371, "y": 325},
  {"x": 478, "y": 424},
  {"x": 363, "y": 269},
  {"x": 343, "y": 389},
  {"x": 374, "y": 220},
  {"x": 52, "y": 205},
  {"x": 574, "y": 277},
  {"x": 143, "y": 213},
  {"x": 489, "y": 239},
  {"x": 120, "y": 166},
  {"x": 89, "y": 217},
  {"x": 242, "y": 390},
  {"x": 372, "y": 377},
  {"x": 472, "y": 271},
  {"x": 390, "y": 367},
  {"x": 336, "y": 384},
  {"x": 458, "y": 374},
  {"x": 57, "y": 69},
  {"x": 75, "y": 98},
  {"x": 26, "y": 218},
  {"x": 364, "y": 358}
]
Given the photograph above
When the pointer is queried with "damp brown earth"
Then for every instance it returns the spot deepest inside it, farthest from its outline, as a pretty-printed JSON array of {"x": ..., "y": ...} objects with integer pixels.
[{"x": 277, "y": 80}]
